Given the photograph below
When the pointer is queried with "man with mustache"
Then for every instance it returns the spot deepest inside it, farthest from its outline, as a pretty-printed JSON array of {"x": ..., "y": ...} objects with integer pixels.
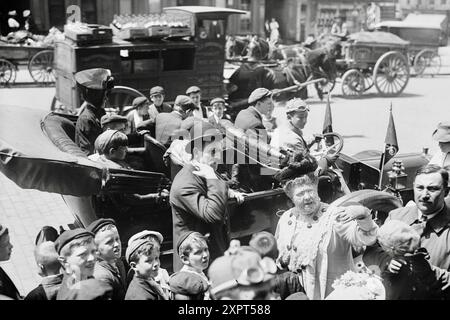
[{"x": 429, "y": 215}]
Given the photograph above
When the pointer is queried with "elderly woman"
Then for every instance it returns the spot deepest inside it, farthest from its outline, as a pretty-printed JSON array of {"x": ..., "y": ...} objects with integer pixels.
[{"x": 315, "y": 240}]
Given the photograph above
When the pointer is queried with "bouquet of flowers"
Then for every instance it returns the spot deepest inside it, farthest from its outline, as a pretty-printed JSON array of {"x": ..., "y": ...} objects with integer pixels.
[{"x": 358, "y": 286}]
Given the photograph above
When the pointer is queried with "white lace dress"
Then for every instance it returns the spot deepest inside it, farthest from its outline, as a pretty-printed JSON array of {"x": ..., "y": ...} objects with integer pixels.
[{"x": 320, "y": 251}]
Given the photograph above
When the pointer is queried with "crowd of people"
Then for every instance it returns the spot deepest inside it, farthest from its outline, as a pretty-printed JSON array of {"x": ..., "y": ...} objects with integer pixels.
[{"x": 312, "y": 250}]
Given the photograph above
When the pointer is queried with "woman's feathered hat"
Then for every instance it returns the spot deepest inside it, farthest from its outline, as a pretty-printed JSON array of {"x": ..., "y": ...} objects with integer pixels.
[{"x": 302, "y": 163}]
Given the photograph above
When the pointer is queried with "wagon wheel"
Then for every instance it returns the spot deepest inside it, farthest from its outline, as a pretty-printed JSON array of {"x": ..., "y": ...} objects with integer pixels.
[
  {"x": 426, "y": 62},
  {"x": 353, "y": 83},
  {"x": 391, "y": 73},
  {"x": 7, "y": 72},
  {"x": 120, "y": 98},
  {"x": 41, "y": 67},
  {"x": 368, "y": 81}
]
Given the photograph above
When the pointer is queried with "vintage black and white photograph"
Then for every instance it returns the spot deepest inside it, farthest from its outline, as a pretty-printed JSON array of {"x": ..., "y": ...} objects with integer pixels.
[{"x": 224, "y": 150}]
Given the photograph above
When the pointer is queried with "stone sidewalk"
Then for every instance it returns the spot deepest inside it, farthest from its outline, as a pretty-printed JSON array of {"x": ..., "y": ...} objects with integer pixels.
[{"x": 25, "y": 212}]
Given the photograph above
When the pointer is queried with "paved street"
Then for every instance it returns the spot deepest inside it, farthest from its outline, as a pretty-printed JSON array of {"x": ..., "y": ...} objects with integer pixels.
[{"x": 362, "y": 122}]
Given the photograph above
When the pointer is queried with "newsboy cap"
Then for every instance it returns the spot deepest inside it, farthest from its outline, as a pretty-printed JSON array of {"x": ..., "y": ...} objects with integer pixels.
[
  {"x": 95, "y": 226},
  {"x": 296, "y": 105},
  {"x": 442, "y": 133},
  {"x": 185, "y": 102},
  {"x": 156, "y": 90},
  {"x": 193, "y": 89},
  {"x": 258, "y": 94},
  {"x": 133, "y": 246},
  {"x": 181, "y": 239},
  {"x": 145, "y": 235},
  {"x": 110, "y": 118},
  {"x": 97, "y": 79},
  {"x": 70, "y": 235},
  {"x": 217, "y": 100},
  {"x": 188, "y": 283},
  {"x": 139, "y": 101}
]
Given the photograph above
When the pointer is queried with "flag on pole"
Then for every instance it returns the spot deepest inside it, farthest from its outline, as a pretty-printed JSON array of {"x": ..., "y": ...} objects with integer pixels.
[
  {"x": 328, "y": 122},
  {"x": 390, "y": 142}
]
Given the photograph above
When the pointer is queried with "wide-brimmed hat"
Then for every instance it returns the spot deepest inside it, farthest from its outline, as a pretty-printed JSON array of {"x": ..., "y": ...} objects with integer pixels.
[
  {"x": 201, "y": 132},
  {"x": 442, "y": 133}
]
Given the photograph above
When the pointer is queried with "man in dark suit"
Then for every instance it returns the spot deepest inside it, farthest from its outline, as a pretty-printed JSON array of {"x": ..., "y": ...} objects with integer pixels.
[
  {"x": 195, "y": 94},
  {"x": 430, "y": 216},
  {"x": 95, "y": 85},
  {"x": 198, "y": 198},
  {"x": 167, "y": 125}
]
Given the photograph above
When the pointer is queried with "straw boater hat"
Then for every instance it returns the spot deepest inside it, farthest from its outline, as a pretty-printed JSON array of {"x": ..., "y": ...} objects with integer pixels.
[{"x": 442, "y": 133}]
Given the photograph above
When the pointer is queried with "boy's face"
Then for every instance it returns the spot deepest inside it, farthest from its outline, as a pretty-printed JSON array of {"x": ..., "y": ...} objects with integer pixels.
[
  {"x": 82, "y": 260},
  {"x": 157, "y": 99},
  {"x": 198, "y": 257},
  {"x": 143, "y": 110},
  {"x": 108, "y": 244},
  {"x": 196, "y": 97},
  {"x": 118, "y": 154},
  {"x": 5, "y": 247},
  {"x": 148, "y": 266},
  {"x": 217, "y": 110}
]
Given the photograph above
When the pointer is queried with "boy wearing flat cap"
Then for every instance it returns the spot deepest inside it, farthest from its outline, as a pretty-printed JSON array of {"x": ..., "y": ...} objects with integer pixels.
[
  {"x": 7, "y": 287},
  {"x": 190, "y": 283},
  {"x": 111, "y": 149},
  {"x": 167, "y": 125},
  {"x": 442, "y": 136},
  {"x": 109, "y": 267},
  {"x": 142, "y": 255},
  {"x": 157, "y": 95},
  {"x": 140, "y": 115},
  {"x": 94, "y": 85},
  {"x": 200, "y": 110},
  {"x": 198, "y": 198},
  {"x": 77, "y": 254},
  {"x": 216, "y": 118}
]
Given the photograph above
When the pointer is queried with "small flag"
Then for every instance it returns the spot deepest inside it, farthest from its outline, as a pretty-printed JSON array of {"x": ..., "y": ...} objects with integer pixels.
[
  {"x": 390, "y": 142},
  {"x": 328, "y": 122}
]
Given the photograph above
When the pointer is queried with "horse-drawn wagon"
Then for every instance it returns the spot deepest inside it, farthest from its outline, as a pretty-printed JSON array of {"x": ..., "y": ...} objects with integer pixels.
[
  {"x": 425, "y": 33},
  {"x": 374, "y": 58}
]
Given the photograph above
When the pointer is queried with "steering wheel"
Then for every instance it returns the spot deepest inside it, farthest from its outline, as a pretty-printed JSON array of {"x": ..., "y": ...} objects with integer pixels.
[{"x": 324, "y": 148}]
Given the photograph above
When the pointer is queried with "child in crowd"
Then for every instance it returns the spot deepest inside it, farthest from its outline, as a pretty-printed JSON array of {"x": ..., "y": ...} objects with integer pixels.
[
  {"x": 143, "y": 257},
  {"x": 109, "y": 266},
  {"x": 7, "y": 288},
  {"x": 111, "y": 149},
  {"x": 190, "y": 283},
  {"x": 49, "y": 269},
  {"x": 415, "y": 279},
  {"x": 77, "y": 255}
]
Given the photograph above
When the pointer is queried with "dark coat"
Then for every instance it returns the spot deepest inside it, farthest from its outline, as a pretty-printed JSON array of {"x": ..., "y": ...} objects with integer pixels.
[
  {"x": 7, "y": 287},
  {"x": 166, "y": 124},
  {"x": 116, "y": 278},
  {"x": 415, "y": 281},
  {"x": 143, "y": 289},
  {"x": 199, "y": 205},
  {"x": 47, "y": 290},
  {"x": 88, "y": 128}
]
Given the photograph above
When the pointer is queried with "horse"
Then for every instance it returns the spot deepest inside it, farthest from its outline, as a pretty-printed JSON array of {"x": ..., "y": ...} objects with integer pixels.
[{"x": 249, "y": 47}]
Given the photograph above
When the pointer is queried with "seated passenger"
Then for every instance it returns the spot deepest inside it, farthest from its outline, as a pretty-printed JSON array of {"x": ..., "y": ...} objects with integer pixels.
[
  {"x": 157, "y": 96},
  {"x": 167, "y": 125},
  {"x": 140, "y": 114},
  {"x": 111, "y": 149}
]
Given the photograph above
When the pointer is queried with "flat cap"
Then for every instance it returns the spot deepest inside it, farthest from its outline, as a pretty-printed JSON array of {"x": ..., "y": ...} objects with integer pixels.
[
  {"x": 133, "y": 246},
  {"x": 95, "y": 226},
  {"x": 181, "y": 239},
  {"x": 188, "y": 283},
  {"x": 110, "y": 118},
  {"x": 265, "y": 243},
  {"x": 156, "y": 90},
  {"x": 296, "y": 105},
  {"x": 67, "y": 236},
  {"x": 193, "y": 89},
  {"x": 185, "y": 102},
  {"x": 97, "y": 78},
  {"x": 442, "y": 133},
  {"x": 145, "y": 235},
  {"x": 258, "y": 94},
  {"x": 217, "y": 100},
  {"x": 103, "y": 140},
  {"x": 137, "y": 102}
]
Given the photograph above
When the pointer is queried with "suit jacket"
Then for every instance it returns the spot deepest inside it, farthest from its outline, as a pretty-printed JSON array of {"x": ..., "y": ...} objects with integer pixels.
[
  {"x": 167, "y": 124},
  {"x": 199, "y": 205},
  {"x": 7, "y": 287},
  {"x": 116, "y": 278},
  {"x": 47, "y": 290},
  {"x": 435, "y": 237},
  {"x": 88, "y": 128},
  {"x": 250, "y": 121}
]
